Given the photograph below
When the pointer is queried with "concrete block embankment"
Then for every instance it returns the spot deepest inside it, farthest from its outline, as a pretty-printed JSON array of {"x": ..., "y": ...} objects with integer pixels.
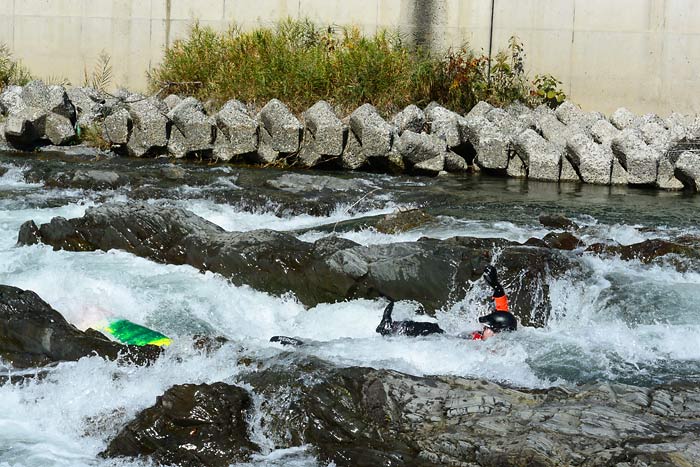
[{"x": 562, "y": 145}]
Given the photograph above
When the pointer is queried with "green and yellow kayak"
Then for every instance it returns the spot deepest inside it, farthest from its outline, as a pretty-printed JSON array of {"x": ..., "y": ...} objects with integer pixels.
[{"x": 128, "y": 332}]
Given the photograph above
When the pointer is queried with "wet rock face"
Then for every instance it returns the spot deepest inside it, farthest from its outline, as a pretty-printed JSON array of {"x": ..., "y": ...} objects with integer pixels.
[
  {"x": 190, "y": 425},
  {"x": 557, "y": 221},
  {"x": 648, "y": 250},
  {"x": 34, "y": 334},
  {"x": 403, "y": 221},
  {"x": 344, "y": 413},
  {"x": 433, "y": 272},
  {"x": 361, "y": 416}
]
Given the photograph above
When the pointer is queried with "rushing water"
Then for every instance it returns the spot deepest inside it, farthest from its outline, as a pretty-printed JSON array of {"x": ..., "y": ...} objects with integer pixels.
[{"x": 620, "y": 320}]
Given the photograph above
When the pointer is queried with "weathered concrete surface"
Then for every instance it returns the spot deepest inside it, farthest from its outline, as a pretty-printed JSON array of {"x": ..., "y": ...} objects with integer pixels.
[{"x": 601, "y": 68}]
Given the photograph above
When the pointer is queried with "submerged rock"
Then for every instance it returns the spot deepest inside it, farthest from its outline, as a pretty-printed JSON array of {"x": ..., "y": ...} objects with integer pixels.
[
  {"x": 648, "y": 250},
  {"x": 403, "y": 221},
  {"x": 557, "y": 221},
  {"x": 34, "y": 334},
  {"x": 190, "y": 425}
]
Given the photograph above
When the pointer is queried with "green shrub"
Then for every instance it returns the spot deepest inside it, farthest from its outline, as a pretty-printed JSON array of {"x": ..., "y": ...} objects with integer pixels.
[
  {"x": 11, "y": 71},
  {"x": 301, "y": 63}
]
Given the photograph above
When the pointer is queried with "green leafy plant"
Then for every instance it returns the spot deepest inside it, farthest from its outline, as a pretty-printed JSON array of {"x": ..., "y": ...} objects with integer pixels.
[{"x": 546, "y": 89}]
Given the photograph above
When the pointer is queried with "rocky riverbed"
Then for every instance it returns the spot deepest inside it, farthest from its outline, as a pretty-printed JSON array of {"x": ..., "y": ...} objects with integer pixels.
[{"x": 603, "y": 279}]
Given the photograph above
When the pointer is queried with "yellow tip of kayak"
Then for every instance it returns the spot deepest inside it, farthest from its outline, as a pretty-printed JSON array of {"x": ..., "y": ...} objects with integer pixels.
[{"x": 164, "y": 342}]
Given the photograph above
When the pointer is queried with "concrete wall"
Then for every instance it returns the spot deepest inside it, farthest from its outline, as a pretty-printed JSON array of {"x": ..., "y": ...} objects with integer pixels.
[{"x": 642, "y": 54}]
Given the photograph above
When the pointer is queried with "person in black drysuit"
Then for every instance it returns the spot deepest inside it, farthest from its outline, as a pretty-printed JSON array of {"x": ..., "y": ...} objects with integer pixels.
[{"x": 499, "y": 320}]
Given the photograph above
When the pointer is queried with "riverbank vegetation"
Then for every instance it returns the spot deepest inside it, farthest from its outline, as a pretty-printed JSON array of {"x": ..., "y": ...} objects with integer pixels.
[
  {"x": 11, "y": 70},
  {"x": 300, "y": 63}
]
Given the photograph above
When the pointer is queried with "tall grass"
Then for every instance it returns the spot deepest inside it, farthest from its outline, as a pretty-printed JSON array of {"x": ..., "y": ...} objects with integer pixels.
[
  {"x": 11, "y": 71},
  {"x": 300, "y": 63}
]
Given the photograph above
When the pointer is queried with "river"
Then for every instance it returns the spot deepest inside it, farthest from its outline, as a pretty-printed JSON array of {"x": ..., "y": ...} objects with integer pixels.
[{"x": 622, "y": 321}]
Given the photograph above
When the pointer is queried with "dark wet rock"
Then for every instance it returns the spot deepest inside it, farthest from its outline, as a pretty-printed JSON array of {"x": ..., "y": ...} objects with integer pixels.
[
  {"x": 562, "y": 241},
  {"x": 34, "y": 334},
  {"x": 331, "y": 244},
  {"x": 648, "y": 250},
  {"x": 208, "y": 343},
  {"x": 301, "y": 183},
  {"x": 361, "y": 416},
  {"x": 433, "y": 272},
  {"x": 97, "y": 179},
  {"x": 403, "y": 221},
  {"x": 282, "y": 126},
  {"x": 190, "y": 425},
  {"x": 557, "y": 221},
  {"x": 537, "y": 242}
]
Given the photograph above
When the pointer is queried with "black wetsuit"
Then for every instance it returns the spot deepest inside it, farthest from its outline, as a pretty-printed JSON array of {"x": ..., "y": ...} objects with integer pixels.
[{"x": 389, "y": 327}]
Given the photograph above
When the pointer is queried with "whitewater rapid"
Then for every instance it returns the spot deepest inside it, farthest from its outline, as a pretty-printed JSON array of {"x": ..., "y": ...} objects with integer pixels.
[{"x": 623, "y": 321}]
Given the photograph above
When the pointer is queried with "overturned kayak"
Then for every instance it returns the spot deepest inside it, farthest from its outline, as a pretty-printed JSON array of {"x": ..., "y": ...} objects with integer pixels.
[{"x": 128, "y": 332}]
